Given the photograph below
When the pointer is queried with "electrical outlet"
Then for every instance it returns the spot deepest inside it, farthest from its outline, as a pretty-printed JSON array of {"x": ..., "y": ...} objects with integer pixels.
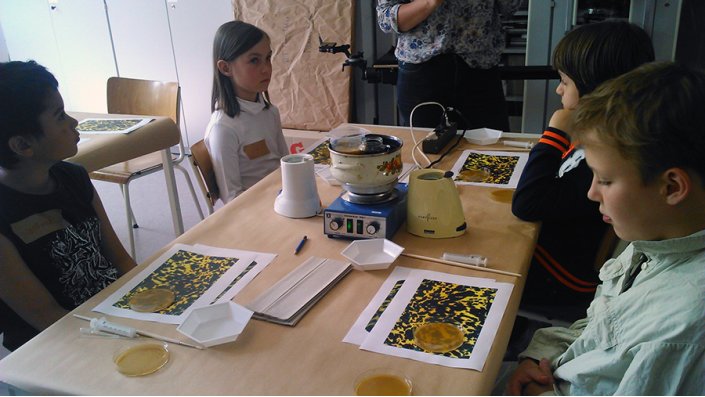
[{"x": 443, "y": 134}]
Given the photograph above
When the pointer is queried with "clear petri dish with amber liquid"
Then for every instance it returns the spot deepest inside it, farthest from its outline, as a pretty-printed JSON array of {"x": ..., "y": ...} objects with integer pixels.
[
  {"x": 439, "y": 336},
  {"x": 141, "y": 359},
  {"x": 152, "y": 300},
  {"x": 382, "y": 382},
  {"x": 473, "y": 175}
]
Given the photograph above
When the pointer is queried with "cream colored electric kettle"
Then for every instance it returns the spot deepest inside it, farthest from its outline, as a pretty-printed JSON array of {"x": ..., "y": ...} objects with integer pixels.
[{"x": 433, "y": 205}]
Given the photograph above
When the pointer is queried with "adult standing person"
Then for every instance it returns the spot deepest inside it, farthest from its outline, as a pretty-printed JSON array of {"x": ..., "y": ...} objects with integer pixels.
[{"x": 448, "y": 52}]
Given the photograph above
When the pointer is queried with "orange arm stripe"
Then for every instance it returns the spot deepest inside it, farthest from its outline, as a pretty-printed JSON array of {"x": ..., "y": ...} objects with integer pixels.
[
  {"x": 567, "y": 152},
  {"x": 559, "y": 277},
  {"x": 557, "y": 137},
  {"x": 561, "y": 269},
  {"x": 552, "y": 143}
]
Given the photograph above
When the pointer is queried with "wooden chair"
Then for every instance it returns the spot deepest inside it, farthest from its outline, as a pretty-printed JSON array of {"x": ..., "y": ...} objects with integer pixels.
[
  {"x": 147, "y": 98},
  {"x": 201, "y": 160}
]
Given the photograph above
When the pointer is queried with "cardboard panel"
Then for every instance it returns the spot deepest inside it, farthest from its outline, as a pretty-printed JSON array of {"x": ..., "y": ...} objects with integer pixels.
[
  {"x": 308, "y": 87},
  {"x": 300, "y": 140}
]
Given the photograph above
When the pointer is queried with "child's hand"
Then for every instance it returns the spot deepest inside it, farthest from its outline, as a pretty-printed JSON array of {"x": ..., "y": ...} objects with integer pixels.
[
  {"x": 535, "y": 389},
  {"x": 562, "y": 119},
  {"x": 531, "y": 378}
]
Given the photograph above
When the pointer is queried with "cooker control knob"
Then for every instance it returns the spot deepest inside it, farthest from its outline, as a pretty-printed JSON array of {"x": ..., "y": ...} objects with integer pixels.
[
  {"x": 372, "y": 228},
  {"x": 336, "y": 223}
]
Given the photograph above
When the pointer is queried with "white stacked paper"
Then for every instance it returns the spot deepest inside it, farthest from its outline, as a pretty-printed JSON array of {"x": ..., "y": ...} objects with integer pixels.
[{"x": 291, "y": 297}]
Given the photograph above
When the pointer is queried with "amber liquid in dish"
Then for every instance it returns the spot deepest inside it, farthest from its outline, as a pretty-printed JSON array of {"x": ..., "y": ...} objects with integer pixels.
[
  {"x": 142, "y": 359},
  {"x": 473, "y": 175},
  {"x": 383, "y": 385},
  {"x": 152, "y": 300},
  {"x": 438, "y": 337}
]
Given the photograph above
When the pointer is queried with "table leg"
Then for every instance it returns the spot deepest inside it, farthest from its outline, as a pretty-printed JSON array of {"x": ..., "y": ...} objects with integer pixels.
[{"x": 172, "y": 191}]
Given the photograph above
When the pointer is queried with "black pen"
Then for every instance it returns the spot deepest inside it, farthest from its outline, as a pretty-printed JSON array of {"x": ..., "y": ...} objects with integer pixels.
[{"x": 301, "y": 245}]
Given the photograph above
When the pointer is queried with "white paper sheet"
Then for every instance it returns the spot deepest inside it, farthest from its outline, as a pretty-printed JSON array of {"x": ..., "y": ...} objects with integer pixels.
[
  {"x": 111, "y": 126},
  {"x": 470, "y": 356},
  {"x": 291, "y": 297},
  {"x": 262, "y": 260},
  {"x": 504, "y": 168},
  {"x": 197, "y": 282},
  {"x": 358, "y": 332},
  {"x": 323, "y": 172}
]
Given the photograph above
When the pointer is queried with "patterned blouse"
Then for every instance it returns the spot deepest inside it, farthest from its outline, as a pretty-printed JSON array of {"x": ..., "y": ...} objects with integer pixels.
[{"x": 469, "y": 28}]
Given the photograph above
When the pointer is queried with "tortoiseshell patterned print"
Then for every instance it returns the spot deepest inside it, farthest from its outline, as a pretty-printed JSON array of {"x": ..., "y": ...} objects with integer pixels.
[
  {"x": 465, "y": 306},
  {"x": 186, "y": 273}
]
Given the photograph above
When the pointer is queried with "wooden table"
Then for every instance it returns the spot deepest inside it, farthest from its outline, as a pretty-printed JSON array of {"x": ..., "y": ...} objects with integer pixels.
[
  {"x": 270, "y": 359},
  {"x": 101, "y": 150}
]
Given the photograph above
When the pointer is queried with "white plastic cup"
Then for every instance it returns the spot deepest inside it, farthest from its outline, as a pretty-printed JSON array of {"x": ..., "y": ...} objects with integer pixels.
[{"x": 299, "y": 195}]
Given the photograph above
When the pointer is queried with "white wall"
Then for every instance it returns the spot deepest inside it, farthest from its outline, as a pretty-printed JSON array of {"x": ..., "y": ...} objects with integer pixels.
[
  {"x": 84, "y": 42},
  {"x": 4, "y": 56},
  {"x": 70, "y": 38}
]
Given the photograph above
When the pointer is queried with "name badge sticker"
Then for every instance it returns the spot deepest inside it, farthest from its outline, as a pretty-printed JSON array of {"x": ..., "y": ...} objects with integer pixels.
[
  {"x": 39, "y": 225},
  {"x": 256, "y": 149}
]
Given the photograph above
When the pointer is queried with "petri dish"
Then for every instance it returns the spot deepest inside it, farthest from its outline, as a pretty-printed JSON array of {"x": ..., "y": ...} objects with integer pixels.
[
  {"x": 503, "y": 195},
  {"x": 473, "y": 175},
  {"x": 152, "y": 300},
  {"x": 439, "y": 337},
  {"x": 141, "y": 359},
  {"x": 350, "y": 144},
  {"x": 382, "y": 382}
]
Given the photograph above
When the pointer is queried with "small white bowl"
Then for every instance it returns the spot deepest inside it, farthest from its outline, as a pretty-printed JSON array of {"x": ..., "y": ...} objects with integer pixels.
[
  {"x": 372, "y": 254},
  {"x": 483, "y": 136},
  {"x": 215, "y": 324}
]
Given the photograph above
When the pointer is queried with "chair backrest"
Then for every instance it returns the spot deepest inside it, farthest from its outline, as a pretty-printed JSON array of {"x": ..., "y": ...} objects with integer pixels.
[
  {"x": 606, "y": 249},
  {"x": 144, "y": 97},
  {"x": 202, "y": 160}
]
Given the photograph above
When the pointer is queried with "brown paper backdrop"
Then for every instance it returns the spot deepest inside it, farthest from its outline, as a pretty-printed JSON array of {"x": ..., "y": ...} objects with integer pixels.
[{"x": 308, "y": 87}]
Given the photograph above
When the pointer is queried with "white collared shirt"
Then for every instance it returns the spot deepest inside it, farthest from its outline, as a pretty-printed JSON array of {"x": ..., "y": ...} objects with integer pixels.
[{"x": 647, "y": 340}]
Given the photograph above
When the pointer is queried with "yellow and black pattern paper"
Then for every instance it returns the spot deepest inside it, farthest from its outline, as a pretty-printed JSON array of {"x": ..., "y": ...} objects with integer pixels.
[
  {"x": 383, "y": 306},
  {"x": 107, "y": 125},
  {"x": 321, "y": 153},
  {"x": 186, "y": 273},
  {"x": 437, "y": 301},
  {"x": 498, "y": 169}
]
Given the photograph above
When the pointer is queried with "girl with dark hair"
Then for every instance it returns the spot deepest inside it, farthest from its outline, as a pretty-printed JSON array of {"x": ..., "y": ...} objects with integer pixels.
[{"x": 244, "y": 136}]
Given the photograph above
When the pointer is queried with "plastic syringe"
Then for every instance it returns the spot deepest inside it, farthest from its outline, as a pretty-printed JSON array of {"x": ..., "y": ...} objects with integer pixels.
[
  {"x": 477, "y": 260},
  {"x": 521, "y": 144}
]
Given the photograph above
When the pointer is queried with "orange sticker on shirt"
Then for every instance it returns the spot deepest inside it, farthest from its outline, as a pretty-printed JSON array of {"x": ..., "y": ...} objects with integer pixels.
[
  {"x": 255, "y": 150},
  {"x": 37, "y": 226}
]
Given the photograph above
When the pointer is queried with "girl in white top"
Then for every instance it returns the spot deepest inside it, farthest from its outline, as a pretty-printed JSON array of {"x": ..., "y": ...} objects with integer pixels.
[{"x": 244, "y": 136}]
